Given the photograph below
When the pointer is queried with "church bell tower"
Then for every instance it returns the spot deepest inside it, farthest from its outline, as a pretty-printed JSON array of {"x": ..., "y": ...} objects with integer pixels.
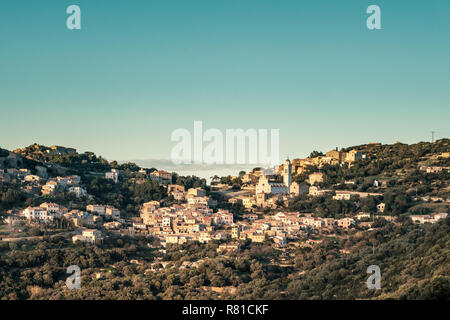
[{"x": 287, "y": 173}]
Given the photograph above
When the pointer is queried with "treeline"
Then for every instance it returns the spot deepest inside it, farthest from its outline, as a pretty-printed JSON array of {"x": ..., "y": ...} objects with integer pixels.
[{"x": 10, "y": 196}]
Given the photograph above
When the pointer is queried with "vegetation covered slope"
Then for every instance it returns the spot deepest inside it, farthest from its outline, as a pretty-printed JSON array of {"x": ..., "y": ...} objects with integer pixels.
[{"x": 414, "y": 264}]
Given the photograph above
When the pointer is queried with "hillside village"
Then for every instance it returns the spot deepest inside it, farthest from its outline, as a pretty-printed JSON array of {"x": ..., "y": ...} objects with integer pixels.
[
  {"x": 54, "y": 191},
  {"x": 194, "y": 214}
]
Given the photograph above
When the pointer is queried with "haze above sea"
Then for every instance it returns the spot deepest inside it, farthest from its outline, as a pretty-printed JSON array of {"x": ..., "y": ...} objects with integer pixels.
[{"x": 201, "y": 171}]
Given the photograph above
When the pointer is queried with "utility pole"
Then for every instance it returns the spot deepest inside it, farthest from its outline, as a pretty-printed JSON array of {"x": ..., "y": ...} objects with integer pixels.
[{"x": 433, "y": 133}]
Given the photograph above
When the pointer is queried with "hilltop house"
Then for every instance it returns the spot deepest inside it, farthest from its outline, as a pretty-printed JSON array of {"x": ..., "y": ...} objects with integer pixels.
[{"x": 162, "y": 177}]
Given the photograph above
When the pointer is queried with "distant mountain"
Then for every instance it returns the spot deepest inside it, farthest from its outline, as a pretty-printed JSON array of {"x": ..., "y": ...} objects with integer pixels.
[{"x": 201, "y": 170}]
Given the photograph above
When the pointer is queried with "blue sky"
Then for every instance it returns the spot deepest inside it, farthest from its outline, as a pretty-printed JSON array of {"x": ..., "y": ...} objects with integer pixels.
[{"x": 137, "y": 70}]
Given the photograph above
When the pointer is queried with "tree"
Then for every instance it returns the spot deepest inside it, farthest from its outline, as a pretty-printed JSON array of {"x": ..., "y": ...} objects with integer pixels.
[{"x": 315, "y": 154}]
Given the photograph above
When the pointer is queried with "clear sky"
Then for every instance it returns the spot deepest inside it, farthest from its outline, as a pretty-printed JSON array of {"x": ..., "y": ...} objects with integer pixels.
[{"x": 137, "y": 70}]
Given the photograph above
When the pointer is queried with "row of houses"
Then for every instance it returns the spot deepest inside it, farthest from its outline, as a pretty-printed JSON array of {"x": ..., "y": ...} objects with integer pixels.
[
  {"x": 333, "y": 157},
  {"x": 23, "y": 174},
  {"x": 421, "y": 219},
  {"x": 45, "y": 212},
  {"x": 69, "y": 183},
  {"x": 160, "y": 176},
  {"x": 434, "y": 169},
  {"x": 104, "y": 210},
  {"x": 50, "y": 211}
]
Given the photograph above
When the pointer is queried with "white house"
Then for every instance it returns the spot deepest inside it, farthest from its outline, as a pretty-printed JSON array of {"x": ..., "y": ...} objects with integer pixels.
[
  {"x": 78, "y": 191},
  {"x": 45, "y": 212},
  {"x": 113, "y": 175},
  {"x": 90, "y": 236}
]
